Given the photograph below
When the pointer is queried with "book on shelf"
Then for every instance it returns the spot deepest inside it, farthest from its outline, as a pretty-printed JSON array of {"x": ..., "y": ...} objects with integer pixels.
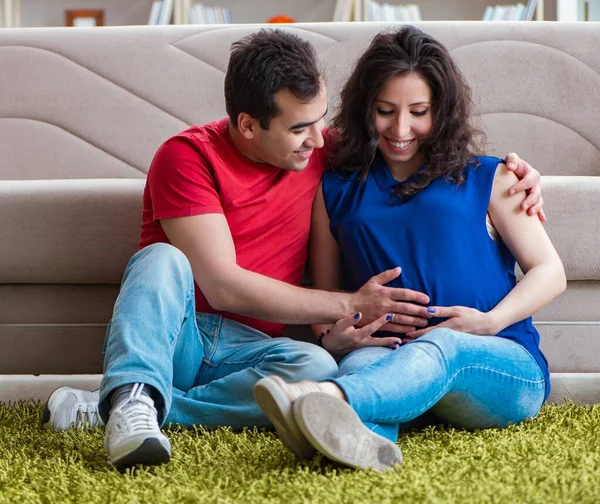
[
  {"x": 530, "y": 10},
  {"x": 202, "y": 14},
  {"x": 517, "y": 12},
  {"x": 187, "y": 12},
  {"x": 166, "y": 12},
  {"x": 371, "y": 10},
  {"x": 161, "y": 12},
  {"x": 155, "y": 12},
  {"x": 343, "y": 10}
]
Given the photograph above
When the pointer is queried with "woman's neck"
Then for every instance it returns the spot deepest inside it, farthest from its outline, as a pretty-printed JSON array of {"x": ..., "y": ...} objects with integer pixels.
[{"x": 401, "y": 170}]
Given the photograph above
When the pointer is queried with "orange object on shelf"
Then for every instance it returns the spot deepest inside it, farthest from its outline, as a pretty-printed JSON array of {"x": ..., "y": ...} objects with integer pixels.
[{"x": 281, "y": 18}]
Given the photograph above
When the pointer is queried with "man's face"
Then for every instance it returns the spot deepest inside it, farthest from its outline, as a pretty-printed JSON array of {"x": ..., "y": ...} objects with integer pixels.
[{"x": 294, "y": 133}]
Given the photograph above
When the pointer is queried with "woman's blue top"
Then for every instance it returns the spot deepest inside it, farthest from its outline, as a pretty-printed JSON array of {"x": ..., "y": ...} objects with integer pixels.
[{"x": 438, "y": 236}]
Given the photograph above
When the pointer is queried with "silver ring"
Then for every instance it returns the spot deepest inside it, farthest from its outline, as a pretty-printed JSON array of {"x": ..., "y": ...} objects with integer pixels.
[{"x": 393, "y": 315}]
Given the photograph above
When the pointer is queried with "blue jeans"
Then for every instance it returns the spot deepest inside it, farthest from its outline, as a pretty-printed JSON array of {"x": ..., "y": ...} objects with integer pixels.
[
  {"x": 203, "y": 367},
  {"x": 467, "y": 381}
]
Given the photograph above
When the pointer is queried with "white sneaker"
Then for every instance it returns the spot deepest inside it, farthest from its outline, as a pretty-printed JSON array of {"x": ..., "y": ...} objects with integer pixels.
[
  {"x": 275, "y": 397},
  {"x": 334, "y": 428},
  {"x": 133, "y": 436},
  {"x": 68, "y": 407}
]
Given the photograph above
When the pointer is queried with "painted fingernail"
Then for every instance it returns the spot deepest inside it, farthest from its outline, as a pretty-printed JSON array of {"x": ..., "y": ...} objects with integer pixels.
[
  {"x": 397, "y": 344},
  {"x": 356, "y": 315},
  {"x": 430, "y": 310},
  {"x": 388, "y": 318}
]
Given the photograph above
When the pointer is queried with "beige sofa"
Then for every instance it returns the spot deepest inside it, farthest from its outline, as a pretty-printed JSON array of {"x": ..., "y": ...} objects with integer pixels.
[{"x": 83, "y": 111}]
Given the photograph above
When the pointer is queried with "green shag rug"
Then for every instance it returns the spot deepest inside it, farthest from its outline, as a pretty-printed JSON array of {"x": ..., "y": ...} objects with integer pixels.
[{"x": 554, "y": 458}]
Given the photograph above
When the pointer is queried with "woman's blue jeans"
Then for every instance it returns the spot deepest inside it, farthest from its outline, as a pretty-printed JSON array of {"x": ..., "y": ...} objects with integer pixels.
[
  {"x": 467, "y": 381},
  {"x": 202, "y": 366}
]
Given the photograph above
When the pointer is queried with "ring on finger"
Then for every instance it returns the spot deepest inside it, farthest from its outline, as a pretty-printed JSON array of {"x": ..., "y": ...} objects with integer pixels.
[{"x": 393, "y": 315}]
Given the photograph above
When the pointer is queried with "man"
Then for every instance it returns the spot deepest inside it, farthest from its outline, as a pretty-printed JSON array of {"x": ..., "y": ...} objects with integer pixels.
[{"x": 223, "y": 247}]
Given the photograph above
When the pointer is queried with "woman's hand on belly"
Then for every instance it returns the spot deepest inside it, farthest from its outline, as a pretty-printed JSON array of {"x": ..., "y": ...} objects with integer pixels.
[{"x": 461, "y": 319}]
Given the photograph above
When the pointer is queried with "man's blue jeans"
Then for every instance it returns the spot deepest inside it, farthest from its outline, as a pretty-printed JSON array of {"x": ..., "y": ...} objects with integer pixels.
[
  {"x": 468, "y": 381},
  {"x": 202, "y": 366}
]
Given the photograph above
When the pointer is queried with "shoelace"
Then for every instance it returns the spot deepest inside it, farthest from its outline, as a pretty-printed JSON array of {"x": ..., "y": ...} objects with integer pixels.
[
  {"x": 138, "y": 412},
  {"x": 87, "y": 414}
]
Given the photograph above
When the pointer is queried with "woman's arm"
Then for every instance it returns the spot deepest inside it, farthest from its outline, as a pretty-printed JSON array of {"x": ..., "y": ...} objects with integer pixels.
[
  {"x": 325, "y": 260},
  {"x": 324, "y": 254},
  {"x": 531, "y": 247}
]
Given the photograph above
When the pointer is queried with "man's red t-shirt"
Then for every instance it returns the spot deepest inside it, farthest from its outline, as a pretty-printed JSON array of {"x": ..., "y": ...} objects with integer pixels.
[{"x": 200, "y": 171}]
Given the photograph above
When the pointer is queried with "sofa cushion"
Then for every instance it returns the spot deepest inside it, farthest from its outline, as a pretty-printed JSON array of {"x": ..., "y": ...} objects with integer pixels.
[
  {"x": 572, "y": 204},
  {"x": 68, "y": 231}
]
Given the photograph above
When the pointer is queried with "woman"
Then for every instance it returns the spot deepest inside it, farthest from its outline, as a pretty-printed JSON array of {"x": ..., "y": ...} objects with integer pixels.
[{"x": 409, "y": 190}]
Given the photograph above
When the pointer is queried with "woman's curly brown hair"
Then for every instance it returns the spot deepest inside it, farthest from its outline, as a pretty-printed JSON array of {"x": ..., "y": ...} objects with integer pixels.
[{"x": 452, "y": 141}]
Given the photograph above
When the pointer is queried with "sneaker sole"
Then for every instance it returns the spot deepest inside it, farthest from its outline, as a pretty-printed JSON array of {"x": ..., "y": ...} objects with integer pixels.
[
  {"x": 45, "y": 424},
  {"x": 150, "y": 452},
  {"x": 334, "y": 428},
  {"x": 277, "y": 406}
]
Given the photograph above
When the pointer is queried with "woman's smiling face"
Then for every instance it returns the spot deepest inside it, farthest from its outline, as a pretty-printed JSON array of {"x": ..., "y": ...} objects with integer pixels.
[{"x": 402, "y": 116}]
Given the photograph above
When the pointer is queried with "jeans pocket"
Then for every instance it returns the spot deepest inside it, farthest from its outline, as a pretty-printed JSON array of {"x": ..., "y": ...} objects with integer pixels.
[
  {"x": 232, "y": 346},
  {"x": 209, "y": 329}
]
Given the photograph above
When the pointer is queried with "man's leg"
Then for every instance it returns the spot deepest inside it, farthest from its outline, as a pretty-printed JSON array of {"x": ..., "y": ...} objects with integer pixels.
[
  {"x": 153, "y": 325},
  {"x": 237, "y": 357}
]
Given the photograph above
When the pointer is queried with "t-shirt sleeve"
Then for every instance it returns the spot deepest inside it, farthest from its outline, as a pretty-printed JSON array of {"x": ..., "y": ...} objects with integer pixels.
[{"x": 181, "y": 183}]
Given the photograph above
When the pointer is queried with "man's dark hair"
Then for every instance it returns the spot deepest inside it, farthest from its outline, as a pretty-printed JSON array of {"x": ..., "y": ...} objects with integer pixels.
[{"x": 264, "y": 63}]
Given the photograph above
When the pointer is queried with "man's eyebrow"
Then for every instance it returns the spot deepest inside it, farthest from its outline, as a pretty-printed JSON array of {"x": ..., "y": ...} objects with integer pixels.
[{"x": 307, "y": 124}]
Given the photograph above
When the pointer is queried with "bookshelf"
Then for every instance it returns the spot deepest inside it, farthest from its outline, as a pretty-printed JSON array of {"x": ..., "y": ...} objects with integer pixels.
[
  {"x": 131, "y": 12},
  {"x": 532, "y": 10},
  {"x": 578, "y": 10},
  {"x": 11, "y": 13}
]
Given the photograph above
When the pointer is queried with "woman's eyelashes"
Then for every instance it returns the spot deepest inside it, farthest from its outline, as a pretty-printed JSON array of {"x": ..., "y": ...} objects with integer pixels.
[{"x": 418, "y": 113}]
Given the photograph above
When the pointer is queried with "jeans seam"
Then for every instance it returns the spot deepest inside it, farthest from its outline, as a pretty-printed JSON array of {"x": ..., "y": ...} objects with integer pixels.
[
  {"x": 487, "y": 368},
  {"x": 252, "y": 362}
]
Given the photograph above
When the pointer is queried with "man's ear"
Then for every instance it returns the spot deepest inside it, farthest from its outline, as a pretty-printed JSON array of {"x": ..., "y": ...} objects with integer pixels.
[{"x": 247, "y": 125}]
